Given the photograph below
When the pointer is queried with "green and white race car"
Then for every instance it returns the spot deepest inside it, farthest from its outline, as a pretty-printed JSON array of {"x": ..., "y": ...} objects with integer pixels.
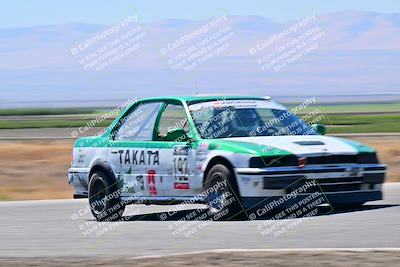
[{"x": 232, "y": 153}]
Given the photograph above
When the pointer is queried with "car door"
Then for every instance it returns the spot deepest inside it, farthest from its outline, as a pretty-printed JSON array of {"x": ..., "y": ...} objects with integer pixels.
[
  {"x": 127, "y": 152},
  {"x": 176, "y": 166}
]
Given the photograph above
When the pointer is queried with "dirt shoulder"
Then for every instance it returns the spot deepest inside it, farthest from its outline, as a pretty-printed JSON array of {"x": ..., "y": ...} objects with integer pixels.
[
  {"x": 34, "y": 170},
  {"x": 38, "y": 169},
  {"x": 388, "y": 152}
]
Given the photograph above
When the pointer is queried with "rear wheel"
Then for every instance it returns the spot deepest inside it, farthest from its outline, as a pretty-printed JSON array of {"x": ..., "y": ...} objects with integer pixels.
[
  {"x": 223, "y": 199},
  {"x": 104, "y": 200}
]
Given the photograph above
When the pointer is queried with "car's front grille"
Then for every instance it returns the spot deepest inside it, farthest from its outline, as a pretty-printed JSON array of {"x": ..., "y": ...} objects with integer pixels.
[{"x": 285, "y": 161}]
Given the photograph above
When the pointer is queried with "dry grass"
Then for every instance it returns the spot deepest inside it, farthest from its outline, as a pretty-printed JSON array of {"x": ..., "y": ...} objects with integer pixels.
[
  {"x": 38, "y": 169},
  {"x": 388, "y": 153},
  {"x": 35, "y": 170}
]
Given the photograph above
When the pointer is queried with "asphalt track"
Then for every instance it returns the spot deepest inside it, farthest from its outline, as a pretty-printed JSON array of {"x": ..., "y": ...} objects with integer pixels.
[{"x": 54, "y": 228}]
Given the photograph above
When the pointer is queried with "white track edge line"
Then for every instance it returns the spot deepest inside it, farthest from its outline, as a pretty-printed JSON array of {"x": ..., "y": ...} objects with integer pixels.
[{"x": 222, "y": 251}]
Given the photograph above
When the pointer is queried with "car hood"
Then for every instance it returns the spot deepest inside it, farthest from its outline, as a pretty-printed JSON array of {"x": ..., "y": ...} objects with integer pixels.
[{"x": 301, "y": 145}]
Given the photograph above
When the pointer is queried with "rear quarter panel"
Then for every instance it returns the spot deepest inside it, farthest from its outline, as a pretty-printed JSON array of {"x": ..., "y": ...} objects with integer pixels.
[{"x": 85, "y": 152}]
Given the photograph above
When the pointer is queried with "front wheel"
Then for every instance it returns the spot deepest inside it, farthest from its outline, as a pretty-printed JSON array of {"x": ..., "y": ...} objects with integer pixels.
[
  {"x": 104, "y": 200},
  {"x": 222, "y": 198}
]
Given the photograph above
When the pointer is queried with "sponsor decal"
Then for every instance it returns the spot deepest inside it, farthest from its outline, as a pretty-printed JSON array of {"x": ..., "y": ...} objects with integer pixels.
[
  {"x": 203, "y": 147},
  {"x": 217, "y": 105},
  {"x": 81, "y": 157},
  {"x": 201, "y": 155},
  {"x": 237, "y": 104},
  {"x": 140, "y": 181},
  {"x": 181, "y": 186},
  {"x": 139, "y": 157},
  {"x": 132, "y": 184},
  {"x": 181, "y": 150},
  {"x": 151, "y": 181}
]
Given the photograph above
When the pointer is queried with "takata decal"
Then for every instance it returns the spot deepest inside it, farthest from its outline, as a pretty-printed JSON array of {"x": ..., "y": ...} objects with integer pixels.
[
  {"x": 139, "y": 157},
  {"x": 151, "y": 181}
]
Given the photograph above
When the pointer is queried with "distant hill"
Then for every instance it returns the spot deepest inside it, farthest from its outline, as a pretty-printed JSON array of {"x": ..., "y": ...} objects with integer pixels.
[{"x": 358, "y": 53}]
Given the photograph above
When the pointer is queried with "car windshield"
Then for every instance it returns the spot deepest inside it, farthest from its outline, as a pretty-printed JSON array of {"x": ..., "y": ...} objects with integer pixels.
[{"x": 246, "y": 118}]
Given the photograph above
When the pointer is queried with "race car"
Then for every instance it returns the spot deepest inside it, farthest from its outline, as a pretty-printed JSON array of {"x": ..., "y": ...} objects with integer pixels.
[{"x": 232, "y": 153}]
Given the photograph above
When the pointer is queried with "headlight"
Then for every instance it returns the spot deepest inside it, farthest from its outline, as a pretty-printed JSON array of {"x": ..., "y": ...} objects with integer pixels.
[
  {"x": 275, "y": 161},
  {"x": 367, "y": 158}
]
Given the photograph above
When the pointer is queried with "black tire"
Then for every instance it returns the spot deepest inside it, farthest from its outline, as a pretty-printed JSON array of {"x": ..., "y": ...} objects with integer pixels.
[
  {"x": 224, "y": 202},
  {"x": 104, "y": 208}
]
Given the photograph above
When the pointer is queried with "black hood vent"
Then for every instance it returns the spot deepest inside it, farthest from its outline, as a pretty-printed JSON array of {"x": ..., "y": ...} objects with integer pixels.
[{"x": 310, "y": 143}]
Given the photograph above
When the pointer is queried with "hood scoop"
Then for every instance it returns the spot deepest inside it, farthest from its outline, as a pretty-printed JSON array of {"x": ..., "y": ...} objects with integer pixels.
[{"x": 309, "y": 143}]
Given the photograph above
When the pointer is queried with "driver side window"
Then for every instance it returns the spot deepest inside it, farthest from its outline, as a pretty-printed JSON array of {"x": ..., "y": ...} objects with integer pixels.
[
  {"x": 139, "y": 124},
  {"x": 172, "y": 118}
]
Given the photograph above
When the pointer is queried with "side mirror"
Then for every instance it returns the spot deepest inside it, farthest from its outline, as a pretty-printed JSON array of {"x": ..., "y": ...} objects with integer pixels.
[
  {"x": 175, "y": 135},
  {"x": 319, "y": 128}
]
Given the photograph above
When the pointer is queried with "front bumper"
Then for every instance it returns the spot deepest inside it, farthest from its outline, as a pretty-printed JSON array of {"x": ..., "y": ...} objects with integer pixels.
[
  {"x": 78, "y": 179},
  {"x": 347, "y": 183},
  {"x": 327, "y": 198}
]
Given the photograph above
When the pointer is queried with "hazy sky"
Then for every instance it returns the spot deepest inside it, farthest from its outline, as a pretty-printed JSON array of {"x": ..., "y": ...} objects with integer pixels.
[{"x": 19, "y": 13}]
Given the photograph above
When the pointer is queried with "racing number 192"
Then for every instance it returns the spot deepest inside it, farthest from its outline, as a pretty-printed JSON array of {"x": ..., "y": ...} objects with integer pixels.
[{"x": 180, "y": 166}]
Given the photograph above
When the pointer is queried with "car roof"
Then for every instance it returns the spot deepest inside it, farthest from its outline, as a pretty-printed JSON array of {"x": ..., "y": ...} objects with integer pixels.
[{"x": 200, "y": 98}]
